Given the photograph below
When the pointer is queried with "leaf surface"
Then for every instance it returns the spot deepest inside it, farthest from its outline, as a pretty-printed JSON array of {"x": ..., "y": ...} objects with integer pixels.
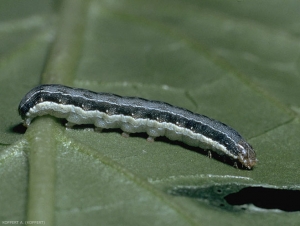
[{"x": 234, "y": 61}]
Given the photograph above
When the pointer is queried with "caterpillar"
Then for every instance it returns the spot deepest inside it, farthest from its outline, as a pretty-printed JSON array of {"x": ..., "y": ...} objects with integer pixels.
[{"x": 135, "y": 115}]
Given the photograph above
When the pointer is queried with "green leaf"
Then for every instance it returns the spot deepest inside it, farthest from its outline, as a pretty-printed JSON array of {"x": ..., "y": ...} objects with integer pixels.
[{"x": 235, "y": 61}]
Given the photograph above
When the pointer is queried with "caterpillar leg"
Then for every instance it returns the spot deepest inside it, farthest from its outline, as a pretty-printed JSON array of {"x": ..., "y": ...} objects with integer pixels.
[
  {"x": 69, "y": 125},
  {"x": 150, "y": 139},
  {"x": 235, "y": 165},
  {"x": 27, "y": 122},
  {"x": 209, "y": 154},
  {"x": 124, "y": 134}
]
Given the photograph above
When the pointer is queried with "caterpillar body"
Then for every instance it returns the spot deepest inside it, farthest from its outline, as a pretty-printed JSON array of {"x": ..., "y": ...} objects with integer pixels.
[{"x": 133, "y": 115}]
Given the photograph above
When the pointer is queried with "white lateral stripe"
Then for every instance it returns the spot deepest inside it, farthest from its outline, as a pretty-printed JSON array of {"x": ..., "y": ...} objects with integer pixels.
[{"x": 78, "y": 115}]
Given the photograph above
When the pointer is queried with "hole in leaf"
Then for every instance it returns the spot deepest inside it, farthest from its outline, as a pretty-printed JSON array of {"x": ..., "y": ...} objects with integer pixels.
[
  {"x": 235, "y": 197},
  {"x": 266, "y": 198}
]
